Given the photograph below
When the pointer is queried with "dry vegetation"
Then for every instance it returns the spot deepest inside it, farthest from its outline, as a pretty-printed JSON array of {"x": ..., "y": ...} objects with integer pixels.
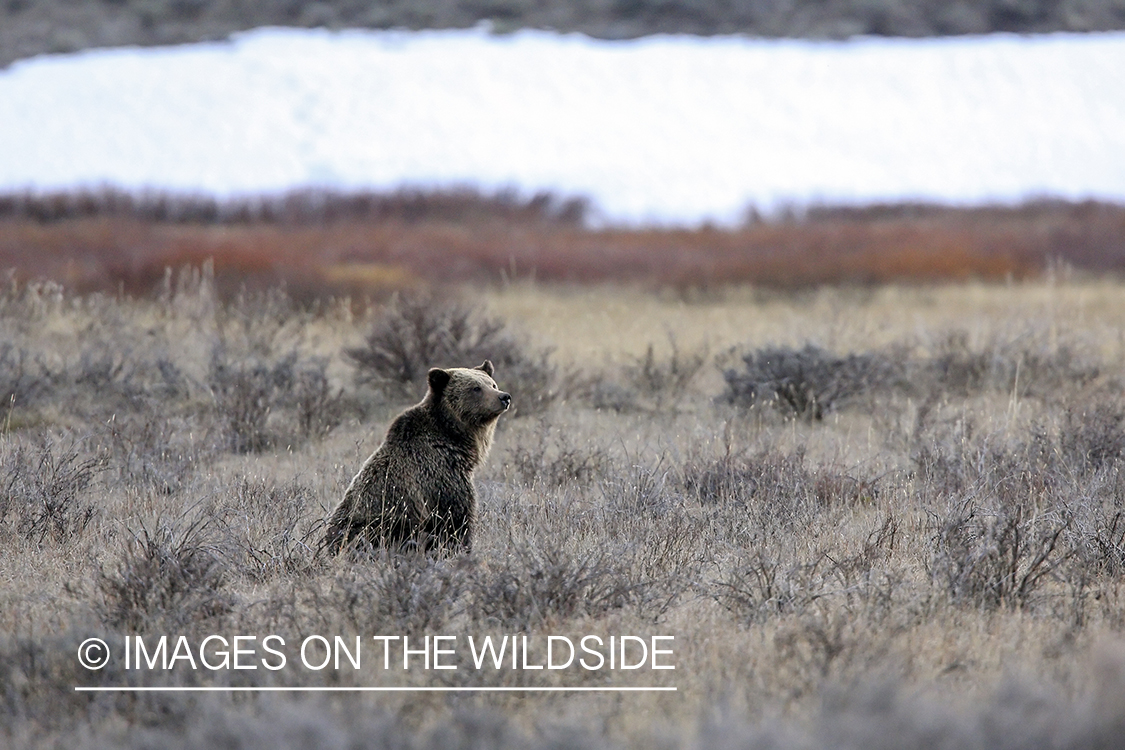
[
  {"x": 319, "y": 243},
  {"x": 883, "y": 517}
]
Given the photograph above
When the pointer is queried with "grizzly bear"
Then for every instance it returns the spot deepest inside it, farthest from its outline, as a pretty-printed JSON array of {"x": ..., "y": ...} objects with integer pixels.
[{"x": 416, "y": 490}]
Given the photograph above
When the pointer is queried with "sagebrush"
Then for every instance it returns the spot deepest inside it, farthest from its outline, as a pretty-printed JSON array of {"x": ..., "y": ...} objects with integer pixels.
[{"x": 847, "y": 527}]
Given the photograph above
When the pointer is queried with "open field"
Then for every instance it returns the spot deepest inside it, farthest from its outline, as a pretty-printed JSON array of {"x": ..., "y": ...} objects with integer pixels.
[{"x": 878, "y": 516}]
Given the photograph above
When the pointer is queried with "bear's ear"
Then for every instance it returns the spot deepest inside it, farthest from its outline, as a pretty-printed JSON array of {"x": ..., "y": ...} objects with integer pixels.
[
  {"x": 438, "y": 379},
  {"x": 487, "y": 368}
]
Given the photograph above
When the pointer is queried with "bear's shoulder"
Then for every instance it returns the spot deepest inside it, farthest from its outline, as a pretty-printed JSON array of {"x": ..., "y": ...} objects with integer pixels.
[{"x": 423, "y": 425}]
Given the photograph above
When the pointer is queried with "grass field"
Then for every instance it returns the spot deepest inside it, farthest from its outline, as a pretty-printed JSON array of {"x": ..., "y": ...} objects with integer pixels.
[{"x": 878, "y": 516}]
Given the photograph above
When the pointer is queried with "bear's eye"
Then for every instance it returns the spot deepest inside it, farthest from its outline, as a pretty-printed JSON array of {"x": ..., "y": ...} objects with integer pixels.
[{"x": 476, "y": 389}]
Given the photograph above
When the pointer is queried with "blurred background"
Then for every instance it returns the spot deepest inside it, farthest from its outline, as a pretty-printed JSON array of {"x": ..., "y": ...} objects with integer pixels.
[
  {"x": 330, "y": 230},
  {"x": 31, "y": 27}
]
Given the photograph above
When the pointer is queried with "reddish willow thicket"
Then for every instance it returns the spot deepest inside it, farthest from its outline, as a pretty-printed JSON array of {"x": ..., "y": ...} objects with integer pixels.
[{"x": 368, "y": 244}]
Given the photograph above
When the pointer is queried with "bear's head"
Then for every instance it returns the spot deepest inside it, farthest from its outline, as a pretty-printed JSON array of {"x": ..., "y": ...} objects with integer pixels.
[{"x": 470, "y": 395}]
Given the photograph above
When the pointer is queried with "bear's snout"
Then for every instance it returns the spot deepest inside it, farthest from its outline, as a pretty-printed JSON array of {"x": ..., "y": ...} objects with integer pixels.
[{"x": 506, "y": 399}]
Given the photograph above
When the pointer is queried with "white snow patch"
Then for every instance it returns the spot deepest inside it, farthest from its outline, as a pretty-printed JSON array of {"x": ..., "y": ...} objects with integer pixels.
[{"x": 669, "y": 129}]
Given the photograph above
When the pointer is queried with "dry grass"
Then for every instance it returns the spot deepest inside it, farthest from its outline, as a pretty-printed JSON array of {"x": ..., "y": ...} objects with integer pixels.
[{"x": 936, "y": 559}]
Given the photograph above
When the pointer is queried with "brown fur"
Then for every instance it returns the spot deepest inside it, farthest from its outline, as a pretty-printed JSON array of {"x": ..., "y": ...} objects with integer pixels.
[{"x": 416, "y": 490}]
